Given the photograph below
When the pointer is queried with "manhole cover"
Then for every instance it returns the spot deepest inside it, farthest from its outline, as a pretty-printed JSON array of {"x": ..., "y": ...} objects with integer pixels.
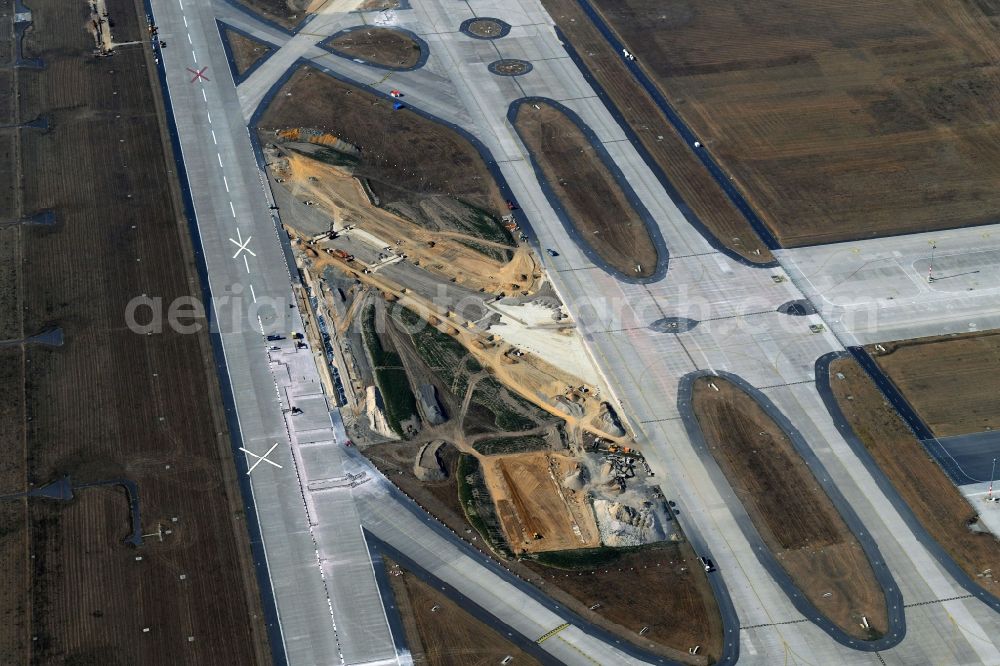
[
  {"x": 485, "y": 28},
  {"x": 510, "y": 67}
]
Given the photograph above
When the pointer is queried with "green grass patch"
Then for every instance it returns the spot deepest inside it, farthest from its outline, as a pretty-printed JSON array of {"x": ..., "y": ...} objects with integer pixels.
[
  {"x": 583, "y": 558},
  {"x": 393, "y": 384},
  {"x": 485, "y": 226},
  {"x": 506, "y": 445},
  {"x": 474, "y": 497},
  {"x": 444, "y": 355},
  {"x": 493, "y": 396},
  {"x": 330, "y": 156}
]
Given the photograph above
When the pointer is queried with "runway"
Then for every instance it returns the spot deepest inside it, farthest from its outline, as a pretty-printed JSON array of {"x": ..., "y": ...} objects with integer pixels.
[{"x": 317, "y": 574}]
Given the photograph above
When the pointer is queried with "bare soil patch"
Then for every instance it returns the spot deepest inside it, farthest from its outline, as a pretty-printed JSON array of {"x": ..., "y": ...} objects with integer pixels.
[
  {"x": 15, "y": 592},
  {"x": 378, "y": 5},
  {"x": 380, "y": 46},
  {"x": 792, "y": 513},
  {"x": 593, "y": 200},
  {"x": 953, "y": 382},
  {"x": 392, "y": 143},
  {"x": 486, "y": 28},
  {"x": 838, "y": 120},
  {"x": 110, "y": 402},
  {"x": 671, "y": 153},
  {"x": 510, "y": 67},
  {"x": 536, "y": 514},
  {"x": 448, "y": 245},
  {"x": 286, "y": 13},
  {"x": 938, "y": 504},
  {"x": 446, "y": 635},
  {"x": 246, "y": 50}
]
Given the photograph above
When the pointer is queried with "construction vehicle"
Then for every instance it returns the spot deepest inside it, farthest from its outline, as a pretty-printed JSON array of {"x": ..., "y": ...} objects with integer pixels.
[
  {"x": 346, "y": 256},
  {"x": 615, "y": 448}
]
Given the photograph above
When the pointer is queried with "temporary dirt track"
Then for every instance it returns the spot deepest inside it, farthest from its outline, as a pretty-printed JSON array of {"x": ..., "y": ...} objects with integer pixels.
[
  {"x": 529, "y": 501},
  {"x": 953, "y": 382},
  {"x": 938, "y": 504},
  {"x": 381, "y": 46},
  {"x": 593, "y": 200},
  {"x": 792, "y": 513},
  {"x": 839, "y": 120},
  {"x": 112, "y": 403},
  {"x": 341, "y": 197},
  {"x": 675, "y": 158}
]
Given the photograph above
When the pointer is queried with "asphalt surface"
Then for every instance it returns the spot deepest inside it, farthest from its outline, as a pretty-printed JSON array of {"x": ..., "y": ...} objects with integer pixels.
[{"x": 967, "y": 459}]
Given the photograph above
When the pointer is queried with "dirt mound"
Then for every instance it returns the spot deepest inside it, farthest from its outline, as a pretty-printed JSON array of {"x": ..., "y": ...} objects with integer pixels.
[
  {"x": 427, "y": 466},
  {"x": 623, "y": 525},
  {"x": 608, "y": 421}
]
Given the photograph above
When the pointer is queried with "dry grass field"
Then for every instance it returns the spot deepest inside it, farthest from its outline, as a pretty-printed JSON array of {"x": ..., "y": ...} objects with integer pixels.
[
  {"x": 381, "y": 46},
  {"x": 110, "y": 403},
  {"x": 938, "y": 504},
  {"x": 440, "y": 633},
  {"x": 953, "y": 382},
  {"x": 839, "y": 120},
  {"x": 660, "y": 587},
  {"x": 594, "y": 202},
  {"x": 286, "y": 13},
  {"x": 390, "y": 141},
  {"x": 794, "y": 516},
  {"x": 246, "y": 51},
  {"x": 670, "y": 152}
]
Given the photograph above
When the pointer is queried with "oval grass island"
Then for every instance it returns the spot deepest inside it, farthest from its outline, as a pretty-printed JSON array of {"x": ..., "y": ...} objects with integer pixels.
[
  {"x": 591, "y": 196},
  {"x": 790, "y": 510}
]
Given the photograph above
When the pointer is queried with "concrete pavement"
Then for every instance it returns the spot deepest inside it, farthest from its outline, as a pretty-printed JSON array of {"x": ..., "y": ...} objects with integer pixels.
[
  {"x": 738, "y": 331},
  {"x": 325, "y": 591}
]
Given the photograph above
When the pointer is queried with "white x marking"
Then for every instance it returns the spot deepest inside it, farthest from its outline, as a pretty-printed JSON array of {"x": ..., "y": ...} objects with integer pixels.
[
  {"x": 260, "y": 459},
  {"x": 242, "y": 244}
]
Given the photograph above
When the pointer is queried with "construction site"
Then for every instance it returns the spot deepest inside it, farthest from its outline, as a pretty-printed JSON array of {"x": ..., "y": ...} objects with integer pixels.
[{"x": 456, "y": 368}]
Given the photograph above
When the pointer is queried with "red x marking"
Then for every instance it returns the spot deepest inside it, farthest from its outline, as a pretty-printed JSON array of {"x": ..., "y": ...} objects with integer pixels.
[{"x": 198, "y": 74}]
